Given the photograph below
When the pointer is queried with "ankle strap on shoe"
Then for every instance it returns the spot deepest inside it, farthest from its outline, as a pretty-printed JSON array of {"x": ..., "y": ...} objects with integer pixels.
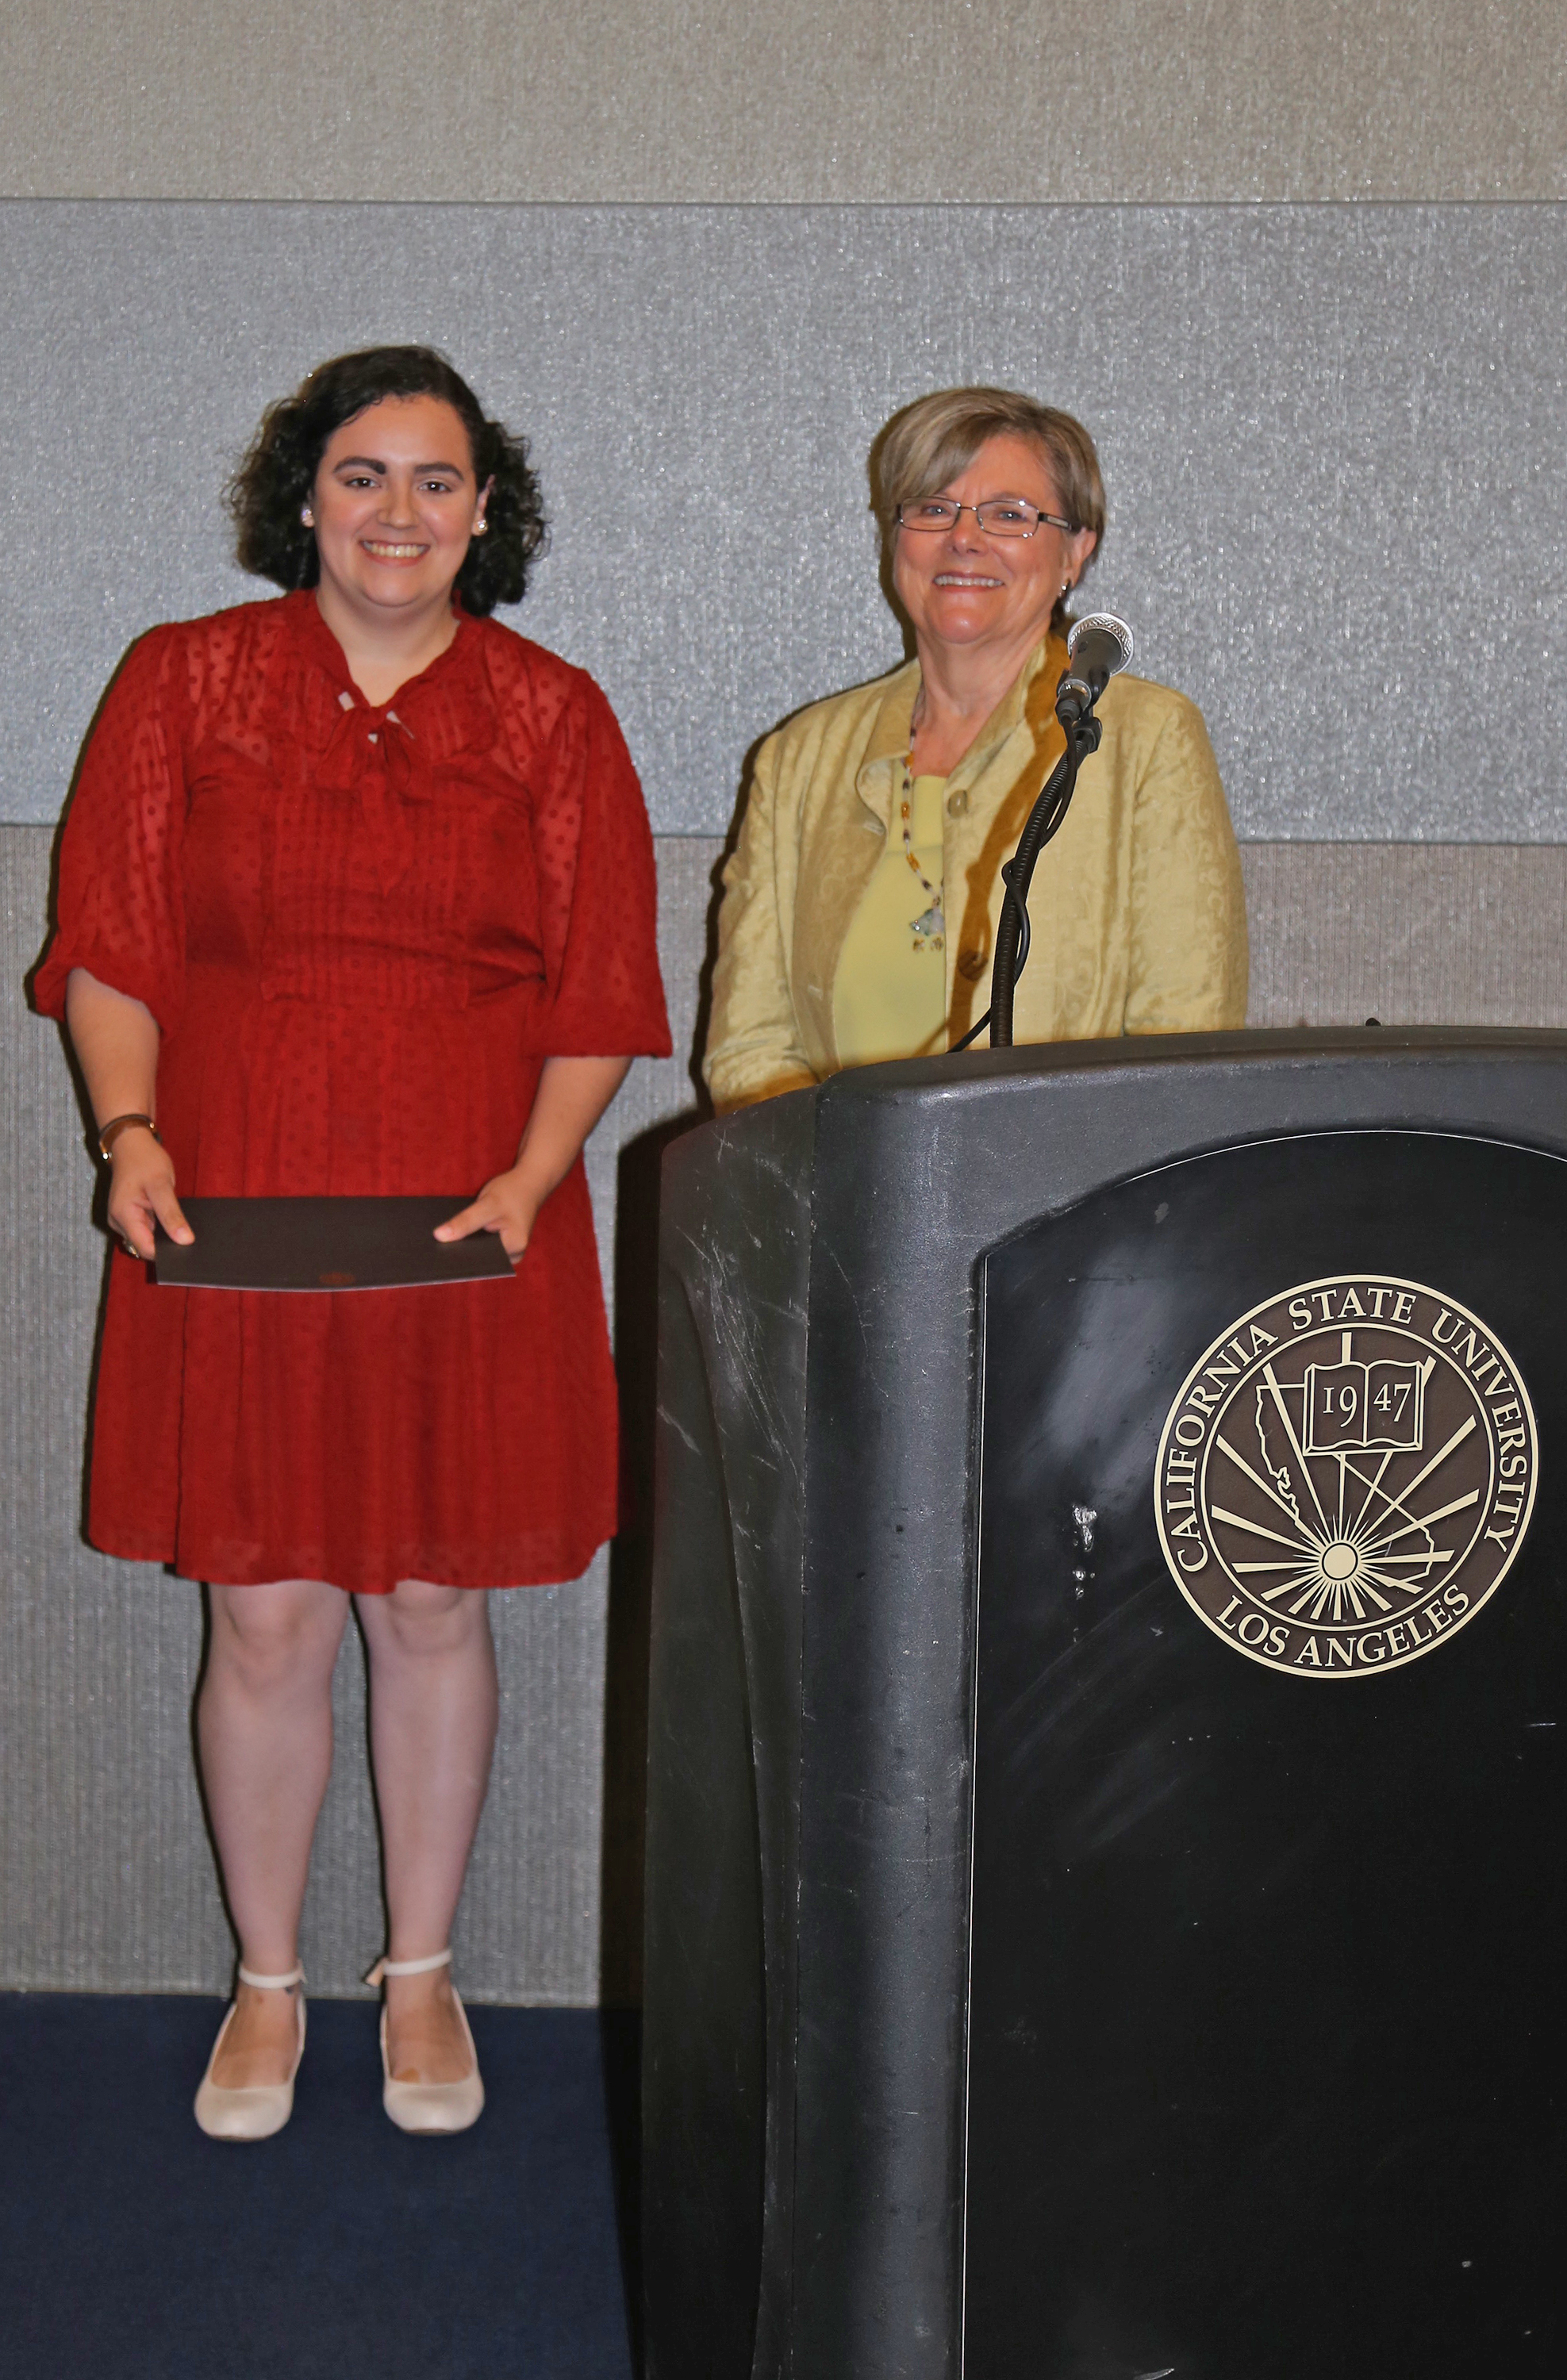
[
  {"x": 271, "y": 1983},
  {"x": 410, "y": 1966}
]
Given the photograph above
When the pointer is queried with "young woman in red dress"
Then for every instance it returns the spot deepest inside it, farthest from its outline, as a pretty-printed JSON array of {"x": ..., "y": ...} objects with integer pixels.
[{"x": 357, "y": 897}]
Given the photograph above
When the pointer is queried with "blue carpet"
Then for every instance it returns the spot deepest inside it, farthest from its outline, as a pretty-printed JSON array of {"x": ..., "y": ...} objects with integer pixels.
[{"x": 132, "y": 2248}]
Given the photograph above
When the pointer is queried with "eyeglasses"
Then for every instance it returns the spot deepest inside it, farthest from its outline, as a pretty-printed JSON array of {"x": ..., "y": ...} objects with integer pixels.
[{"x": 997, "y": 515}]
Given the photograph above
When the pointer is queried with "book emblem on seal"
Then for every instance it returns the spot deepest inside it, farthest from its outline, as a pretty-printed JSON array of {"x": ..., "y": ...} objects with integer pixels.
[{"x": 1347, "y": 1476}]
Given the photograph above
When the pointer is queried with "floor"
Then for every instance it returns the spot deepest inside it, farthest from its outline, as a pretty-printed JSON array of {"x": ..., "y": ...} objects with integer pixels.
[{"x": 132, "y": 2248}]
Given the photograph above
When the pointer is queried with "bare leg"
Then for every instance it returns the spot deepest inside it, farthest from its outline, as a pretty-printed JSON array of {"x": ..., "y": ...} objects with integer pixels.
[
  {"x": 263, "y": 1722},
  {"x": 432, "y": 1709}
]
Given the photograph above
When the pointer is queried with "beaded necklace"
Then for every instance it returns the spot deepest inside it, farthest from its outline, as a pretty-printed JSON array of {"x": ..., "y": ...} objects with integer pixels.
[{"x": 929, "y": 929}]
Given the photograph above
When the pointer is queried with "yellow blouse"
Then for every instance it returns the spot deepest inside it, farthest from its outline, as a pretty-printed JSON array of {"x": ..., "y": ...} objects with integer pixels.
[{"x": 890, "y": 993}]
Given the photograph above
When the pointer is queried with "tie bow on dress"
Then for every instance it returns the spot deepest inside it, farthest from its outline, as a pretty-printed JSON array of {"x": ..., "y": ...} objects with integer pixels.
[{"x": 368, "y": 754}]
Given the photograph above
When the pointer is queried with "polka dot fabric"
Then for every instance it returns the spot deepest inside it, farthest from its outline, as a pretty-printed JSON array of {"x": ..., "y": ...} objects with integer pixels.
[{"x": 361, "y": 930}]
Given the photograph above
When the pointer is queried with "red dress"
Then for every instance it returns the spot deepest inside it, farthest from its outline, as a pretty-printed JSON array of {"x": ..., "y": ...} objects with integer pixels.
[{"x": 361, "y": 932}]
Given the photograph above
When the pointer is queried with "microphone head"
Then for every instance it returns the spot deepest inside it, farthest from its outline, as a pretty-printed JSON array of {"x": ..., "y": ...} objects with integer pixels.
[{"x": 1108, "y": 641}]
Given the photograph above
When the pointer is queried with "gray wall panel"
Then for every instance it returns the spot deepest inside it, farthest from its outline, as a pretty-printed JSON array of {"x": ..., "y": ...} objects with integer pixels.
[
  {"x": 1334, "y": 439},
  {"x": 930, "y": 100},
  {"x": 105, "y": 1879},
  {"x": 1334, "y": 442},
  {"x": 1409, "y": 934}
]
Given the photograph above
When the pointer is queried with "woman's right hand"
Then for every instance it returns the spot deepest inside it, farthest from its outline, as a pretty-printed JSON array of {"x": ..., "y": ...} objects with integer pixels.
[{"x": 142, "y": 1189}]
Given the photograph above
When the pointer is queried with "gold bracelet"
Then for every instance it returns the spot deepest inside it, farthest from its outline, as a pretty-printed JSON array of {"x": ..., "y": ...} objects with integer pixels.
[{"x": 116, "y": 1124}]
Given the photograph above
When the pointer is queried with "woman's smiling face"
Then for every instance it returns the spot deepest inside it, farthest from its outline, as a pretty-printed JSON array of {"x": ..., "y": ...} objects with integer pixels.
[
  {"x": 395, "y": 503},
  {"x": 963, "y": 587}
]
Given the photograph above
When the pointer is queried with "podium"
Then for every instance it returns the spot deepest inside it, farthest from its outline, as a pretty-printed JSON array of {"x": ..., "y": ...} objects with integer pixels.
[{"x": 1105, "y": 1826}]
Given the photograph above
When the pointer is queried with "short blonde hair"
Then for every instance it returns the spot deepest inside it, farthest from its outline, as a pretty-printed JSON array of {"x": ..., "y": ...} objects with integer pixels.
[{"x": 927, "y": 443}]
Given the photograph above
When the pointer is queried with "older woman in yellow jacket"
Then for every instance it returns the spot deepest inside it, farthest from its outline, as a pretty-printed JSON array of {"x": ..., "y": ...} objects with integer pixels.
[{"x": 861, "y": 905}]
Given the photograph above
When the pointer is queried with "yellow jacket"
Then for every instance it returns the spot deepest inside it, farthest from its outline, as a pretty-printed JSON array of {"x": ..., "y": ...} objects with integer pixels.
[{"x": 1138, "y": 910}]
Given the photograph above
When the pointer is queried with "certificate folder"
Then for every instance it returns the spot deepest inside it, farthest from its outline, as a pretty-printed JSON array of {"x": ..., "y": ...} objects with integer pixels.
[{"x": 325, "y": 1243}]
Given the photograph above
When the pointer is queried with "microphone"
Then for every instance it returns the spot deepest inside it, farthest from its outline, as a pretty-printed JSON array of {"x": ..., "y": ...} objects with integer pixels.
[{"x": 1098, "y": 646}]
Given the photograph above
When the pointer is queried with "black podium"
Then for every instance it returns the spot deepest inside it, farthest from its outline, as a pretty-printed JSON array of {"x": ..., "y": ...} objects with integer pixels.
[{"x": 1106, "y": 1810}]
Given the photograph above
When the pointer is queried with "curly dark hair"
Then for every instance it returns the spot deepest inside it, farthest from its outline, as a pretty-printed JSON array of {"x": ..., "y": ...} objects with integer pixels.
[{"x": 273, "y": 483}]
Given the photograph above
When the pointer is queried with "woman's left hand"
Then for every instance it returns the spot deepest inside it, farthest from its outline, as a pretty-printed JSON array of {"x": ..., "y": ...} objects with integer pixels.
[
  {"x": 572, "y": 1095},
  {"x": 509, "y": 1205}
]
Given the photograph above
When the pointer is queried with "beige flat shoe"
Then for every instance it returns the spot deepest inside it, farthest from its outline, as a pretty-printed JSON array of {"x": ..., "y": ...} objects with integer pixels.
[
  {"x": 428, "y": 2107},
  {"x": 255, "y": 2113}
]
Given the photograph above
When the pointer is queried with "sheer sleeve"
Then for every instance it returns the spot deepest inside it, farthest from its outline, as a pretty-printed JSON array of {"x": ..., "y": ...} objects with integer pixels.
[
  {"x": 598, "y": 892},
  {"x": 121, "y": 908}
]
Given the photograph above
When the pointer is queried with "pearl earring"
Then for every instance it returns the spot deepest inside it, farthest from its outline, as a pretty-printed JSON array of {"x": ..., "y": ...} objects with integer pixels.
[
  {"x": 480, "y": 526},
  {"x": 307, "y": 517}
]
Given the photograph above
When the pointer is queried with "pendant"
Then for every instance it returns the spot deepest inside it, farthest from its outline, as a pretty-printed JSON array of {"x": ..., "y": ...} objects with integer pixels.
[{"x": 930, "y": 930}]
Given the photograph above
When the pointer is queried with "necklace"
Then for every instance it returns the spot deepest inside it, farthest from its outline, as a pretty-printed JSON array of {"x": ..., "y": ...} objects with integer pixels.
[{"x": 929, "y": 929}]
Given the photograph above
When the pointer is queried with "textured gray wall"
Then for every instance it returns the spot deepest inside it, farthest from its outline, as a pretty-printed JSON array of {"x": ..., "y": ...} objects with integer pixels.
[
  {"x": 1409, "y": 934},
  {"x": 856, "y": 99},
  {"x": 1252, "y": 363},
  {"x": 1332, "y": 436},
  {"x": 105, "y": 1880}
]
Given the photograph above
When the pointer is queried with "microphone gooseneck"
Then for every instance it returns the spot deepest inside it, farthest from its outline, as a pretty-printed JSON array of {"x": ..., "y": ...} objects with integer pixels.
[{"x": 1098, "y": 647}]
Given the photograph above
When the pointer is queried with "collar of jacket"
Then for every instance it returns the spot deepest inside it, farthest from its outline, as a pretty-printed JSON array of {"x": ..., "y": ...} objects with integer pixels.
[{"x": 880, "y": 776}]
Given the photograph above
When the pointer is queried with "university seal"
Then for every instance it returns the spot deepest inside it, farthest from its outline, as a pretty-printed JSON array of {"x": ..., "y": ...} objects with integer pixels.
[{"x": 1346, "y": 1477}]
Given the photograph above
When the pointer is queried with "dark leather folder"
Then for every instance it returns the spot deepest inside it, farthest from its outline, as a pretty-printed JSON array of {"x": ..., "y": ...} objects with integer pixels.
[{"x": 325, "y": 1243}]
